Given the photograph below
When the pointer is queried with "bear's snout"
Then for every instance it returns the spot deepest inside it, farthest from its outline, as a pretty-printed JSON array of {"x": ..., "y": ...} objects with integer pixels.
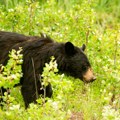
[{"x": 89, "y": 76}]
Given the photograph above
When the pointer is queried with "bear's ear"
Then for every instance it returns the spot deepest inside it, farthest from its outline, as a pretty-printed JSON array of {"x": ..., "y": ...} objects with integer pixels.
[
  {"x": 69, "y": 48},
  {"x": 83, "y": 47}
]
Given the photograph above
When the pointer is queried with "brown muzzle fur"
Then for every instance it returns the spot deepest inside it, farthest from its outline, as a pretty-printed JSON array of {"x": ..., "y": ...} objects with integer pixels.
[{"x": 89, "y": 76}]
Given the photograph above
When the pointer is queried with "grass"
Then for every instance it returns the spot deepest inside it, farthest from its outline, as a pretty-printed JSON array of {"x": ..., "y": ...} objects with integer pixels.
[{"x": 95, "y": 23}]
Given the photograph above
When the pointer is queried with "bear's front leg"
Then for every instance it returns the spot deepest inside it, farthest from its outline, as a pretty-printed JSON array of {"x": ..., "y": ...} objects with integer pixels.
[
  {"x": 49, "y": 91},
  {"x": 29, "y": 94}
]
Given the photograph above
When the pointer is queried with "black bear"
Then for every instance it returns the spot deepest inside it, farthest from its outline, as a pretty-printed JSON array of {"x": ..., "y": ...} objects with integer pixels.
[{"x": 71, "y": 60}]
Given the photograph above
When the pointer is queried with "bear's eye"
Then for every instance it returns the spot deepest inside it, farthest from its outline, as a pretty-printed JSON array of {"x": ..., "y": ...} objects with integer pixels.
[{"x": 84, "y": 68}]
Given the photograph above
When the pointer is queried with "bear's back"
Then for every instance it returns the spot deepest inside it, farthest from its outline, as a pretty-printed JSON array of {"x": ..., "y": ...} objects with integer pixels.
[{"x": 11, "y": 40}]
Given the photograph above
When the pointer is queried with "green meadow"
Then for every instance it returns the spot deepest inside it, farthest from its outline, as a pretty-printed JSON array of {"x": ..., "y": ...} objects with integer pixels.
[{"x": 95, "y": 23}]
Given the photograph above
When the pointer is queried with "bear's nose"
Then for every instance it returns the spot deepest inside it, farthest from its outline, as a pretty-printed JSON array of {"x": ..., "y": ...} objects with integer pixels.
[{"x": 93, "y": 79}]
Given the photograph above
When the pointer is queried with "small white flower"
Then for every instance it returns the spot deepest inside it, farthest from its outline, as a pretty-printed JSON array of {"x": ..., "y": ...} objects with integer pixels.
[
  {"x": 13, "y": 76},
  {"x": 15, "y": 107},
  {"x": 55, "y": 105},
  {"x": 110, "y": 113}
]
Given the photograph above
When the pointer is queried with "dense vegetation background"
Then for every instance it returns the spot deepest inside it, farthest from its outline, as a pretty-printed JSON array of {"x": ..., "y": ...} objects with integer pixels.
[{"x": 93, "y": 22}]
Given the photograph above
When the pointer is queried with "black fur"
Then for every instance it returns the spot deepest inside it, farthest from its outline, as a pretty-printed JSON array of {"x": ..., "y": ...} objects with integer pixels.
[{"x": 38, "y": 50}]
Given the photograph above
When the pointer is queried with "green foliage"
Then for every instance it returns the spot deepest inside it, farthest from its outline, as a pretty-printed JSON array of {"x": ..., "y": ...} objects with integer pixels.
[
  {"x": 95, "y": 23},
  {"x": 49, "y": 71},
  {"x": 10, "y": 75},
  {"x": 43, "y": 110},
  {"x": 12, "y": 72},
  {"x": 109, "y": 6}
]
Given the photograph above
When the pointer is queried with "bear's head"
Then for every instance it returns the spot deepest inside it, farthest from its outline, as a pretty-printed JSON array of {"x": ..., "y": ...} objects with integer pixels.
[{"x": 76, "y": 63}]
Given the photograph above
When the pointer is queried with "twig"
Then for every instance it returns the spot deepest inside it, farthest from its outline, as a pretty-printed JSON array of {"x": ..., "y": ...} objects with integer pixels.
[
  {"x": 35, "y": 78},
  {"x": 87, "y": 35}
]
